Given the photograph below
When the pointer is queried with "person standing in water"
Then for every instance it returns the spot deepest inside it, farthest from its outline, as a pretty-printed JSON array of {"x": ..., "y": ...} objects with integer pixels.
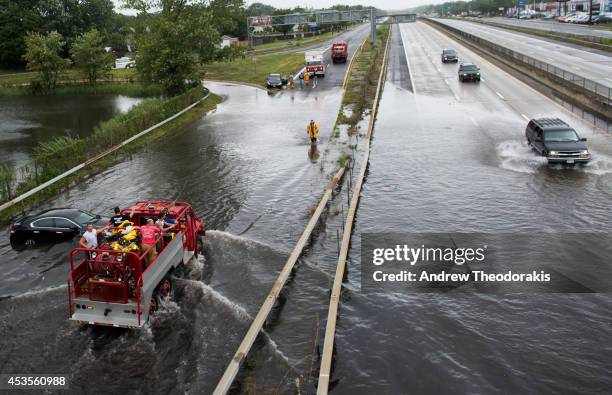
[{"x": 313, "y": 131}]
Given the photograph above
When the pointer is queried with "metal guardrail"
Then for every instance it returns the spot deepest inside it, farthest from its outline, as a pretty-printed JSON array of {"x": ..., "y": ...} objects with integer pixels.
[
  {"x": 26, "y": 171},
  {"x": 603, "y": 92}
]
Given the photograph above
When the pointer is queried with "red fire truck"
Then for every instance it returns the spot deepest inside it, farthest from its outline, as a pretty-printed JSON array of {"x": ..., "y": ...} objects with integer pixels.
[
  {"x": 112, "y": 285},
  {"x": 339, "y": 51},
  {"x": 314, "y": 63}
]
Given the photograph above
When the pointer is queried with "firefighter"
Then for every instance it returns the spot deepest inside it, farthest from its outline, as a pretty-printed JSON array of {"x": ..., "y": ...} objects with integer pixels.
[{"x": 313, "y": 131}]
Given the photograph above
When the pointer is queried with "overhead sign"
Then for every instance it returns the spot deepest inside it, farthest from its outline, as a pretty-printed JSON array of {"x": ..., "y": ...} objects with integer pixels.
[{"x": 256, "y": 21}]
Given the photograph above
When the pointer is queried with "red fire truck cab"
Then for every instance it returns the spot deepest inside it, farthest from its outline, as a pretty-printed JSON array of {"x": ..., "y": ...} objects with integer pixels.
[
  {"x": 339, "y": 51},
  {"x": 112, "y": 285}
]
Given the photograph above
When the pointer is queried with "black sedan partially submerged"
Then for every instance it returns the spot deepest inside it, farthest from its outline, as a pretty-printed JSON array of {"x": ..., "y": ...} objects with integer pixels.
[
  {"x": 275, "y": 81},
  {"x": 54, "y": 225}
]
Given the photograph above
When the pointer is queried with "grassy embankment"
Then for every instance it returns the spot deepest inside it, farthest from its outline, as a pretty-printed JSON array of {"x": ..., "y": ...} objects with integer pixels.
[
  {"x": 282, "y": 45},
  {"x": 248, "y": 71},
  {"x": 56, "y": 156},
  {"x": 266, "y": 61},
  {"x": 362, "y": 82},
  {"x": 602, "y": 43},
  {"x": 72, "y": 82}
]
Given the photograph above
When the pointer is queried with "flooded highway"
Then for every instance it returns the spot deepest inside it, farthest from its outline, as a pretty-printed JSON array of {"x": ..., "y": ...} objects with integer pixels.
[
  {"x": 471, "y": 171},
  {"x": 446, "y": 157},
  {"x": 25, "y": 121},
  {"x": 250, "y": 172}
]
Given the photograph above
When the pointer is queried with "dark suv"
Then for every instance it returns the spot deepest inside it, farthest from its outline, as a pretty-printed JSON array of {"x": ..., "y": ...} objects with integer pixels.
[
  {"x": 557, "y": 141},
  {"x": 469, "y": 72},
  {"x": 449, "y": 55}
]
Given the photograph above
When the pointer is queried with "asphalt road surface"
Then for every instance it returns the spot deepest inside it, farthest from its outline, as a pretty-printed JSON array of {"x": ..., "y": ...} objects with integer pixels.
[
  {"x": 451, "y": 157},
  {"x": 594, "y": 66},
  {"x": 554, "y": 26},
  {"x": 250, "y": 171}
]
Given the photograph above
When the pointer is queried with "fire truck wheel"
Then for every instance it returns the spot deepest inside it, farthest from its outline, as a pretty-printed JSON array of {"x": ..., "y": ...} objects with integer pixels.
[
  {"x": 166, "y": 289},
  {"x": 199, "y": 246},
  {"x": 154, "y": 304}
]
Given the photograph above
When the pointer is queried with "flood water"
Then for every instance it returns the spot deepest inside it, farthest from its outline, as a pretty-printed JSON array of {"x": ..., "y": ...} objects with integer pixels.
[
  {"x": 25, "y": 121},
  {"x": 249, "y": 170}
]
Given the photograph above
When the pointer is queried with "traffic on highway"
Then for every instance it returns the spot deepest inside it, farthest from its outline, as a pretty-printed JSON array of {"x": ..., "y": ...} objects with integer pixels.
[{"x": 383, "y": 206}]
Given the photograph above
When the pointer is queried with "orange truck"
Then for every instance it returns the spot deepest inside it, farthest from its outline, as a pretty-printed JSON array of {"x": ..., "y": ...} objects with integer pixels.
[{"x": 339, "y": 51}]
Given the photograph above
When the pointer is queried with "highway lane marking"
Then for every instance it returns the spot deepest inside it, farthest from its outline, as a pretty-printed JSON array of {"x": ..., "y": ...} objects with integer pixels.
[
  {"x": 557, "y": 105},
  {"x": 500, "y": 95},
  {"x": 525, "y": 116},
  {"x": 407, "y": 61}
]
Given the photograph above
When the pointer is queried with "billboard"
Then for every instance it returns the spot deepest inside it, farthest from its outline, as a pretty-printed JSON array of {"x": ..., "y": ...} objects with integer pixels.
[{"x": 260, "y": 21}]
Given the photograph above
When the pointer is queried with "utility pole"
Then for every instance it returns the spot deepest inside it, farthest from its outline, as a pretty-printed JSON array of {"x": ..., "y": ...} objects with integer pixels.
[
  {"x": 373, "y": 26},
  {"x": 591, "y": 12}
]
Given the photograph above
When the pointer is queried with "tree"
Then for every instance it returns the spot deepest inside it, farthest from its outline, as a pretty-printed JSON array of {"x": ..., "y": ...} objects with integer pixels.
[
  {"x": 16, "y": 19},
  {"x": 91, "y": 57},
  {"x": 229, "y": 17},
  {"x": 43, "y": 55},
  {"x": 173, "y": 41},
  {"x": 68, "y": 17}
]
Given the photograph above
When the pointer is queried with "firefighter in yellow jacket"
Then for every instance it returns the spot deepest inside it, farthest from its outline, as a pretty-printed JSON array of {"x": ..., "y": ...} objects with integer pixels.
[{"x": 313, "y": 131}]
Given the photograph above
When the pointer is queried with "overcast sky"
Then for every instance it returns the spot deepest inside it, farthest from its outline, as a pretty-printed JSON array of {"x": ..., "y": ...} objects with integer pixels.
[{"x": 382, "y": 4}]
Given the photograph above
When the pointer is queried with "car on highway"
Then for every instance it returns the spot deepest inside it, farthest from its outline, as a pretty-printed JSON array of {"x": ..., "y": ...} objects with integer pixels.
[
  {"x": 449, "y": 55},
  {"x": 557, "y": 141},
  {"x": 275, "y": 80},
  {"x": 469, "y": 72},
  {"x": 53, "y": 226}
]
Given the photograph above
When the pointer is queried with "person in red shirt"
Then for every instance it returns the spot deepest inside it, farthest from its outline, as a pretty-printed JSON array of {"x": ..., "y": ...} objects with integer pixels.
[{"x": 148, "y": 234}]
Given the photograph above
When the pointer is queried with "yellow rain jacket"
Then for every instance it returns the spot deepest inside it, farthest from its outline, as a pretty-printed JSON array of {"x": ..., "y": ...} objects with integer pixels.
[{"x": 313, "y": 130}]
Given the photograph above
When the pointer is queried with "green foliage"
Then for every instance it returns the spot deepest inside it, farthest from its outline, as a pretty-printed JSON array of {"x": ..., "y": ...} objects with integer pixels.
[
  {"x": 68, "y": 17},
  {"x": 43, "y": 55},
  {"x": 6, "y": 181},
  {"x": 229, "y": 54},
  {"x": 17, "y": 18},
  {"x": 244, "y": 70},
  {"x": 62, "y": 153},
  {"x": 229, "y": 17},
  {"x": 90, "y": 56},
  {"x": 173, "y": 42}
]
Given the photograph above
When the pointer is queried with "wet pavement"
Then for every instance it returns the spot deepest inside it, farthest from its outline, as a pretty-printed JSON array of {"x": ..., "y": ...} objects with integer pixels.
[
  {"x": 555, "y": 26},
  {"x": 471, "y": 171},
  {"x": 596, "y": 66},
  {"x": 25, "y": 121},
  {"x": 249, "y": 170}
]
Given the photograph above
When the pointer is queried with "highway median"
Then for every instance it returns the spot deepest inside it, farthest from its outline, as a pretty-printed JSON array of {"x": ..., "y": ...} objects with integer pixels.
[{"x": 361, "y": 83}]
